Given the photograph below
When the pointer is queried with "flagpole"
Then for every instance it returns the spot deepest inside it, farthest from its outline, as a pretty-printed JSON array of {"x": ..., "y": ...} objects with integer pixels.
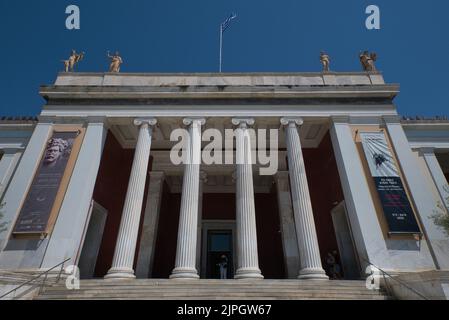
[
  {"x": 223, "y": 27},
  {"x": 221, "y": 46}
]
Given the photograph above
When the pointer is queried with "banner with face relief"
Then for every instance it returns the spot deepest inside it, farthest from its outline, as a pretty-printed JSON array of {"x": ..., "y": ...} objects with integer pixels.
[
  {"x": 39, "y": 203},
  {"x": 395, "y": 203}
]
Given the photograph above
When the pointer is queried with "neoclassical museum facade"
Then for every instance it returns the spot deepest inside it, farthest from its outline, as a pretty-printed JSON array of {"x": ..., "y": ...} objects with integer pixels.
[{"x": 91, "y": 179}]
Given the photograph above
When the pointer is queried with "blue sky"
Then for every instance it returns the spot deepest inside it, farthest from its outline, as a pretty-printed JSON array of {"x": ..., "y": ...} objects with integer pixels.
[{"x": 182, "y": 36}]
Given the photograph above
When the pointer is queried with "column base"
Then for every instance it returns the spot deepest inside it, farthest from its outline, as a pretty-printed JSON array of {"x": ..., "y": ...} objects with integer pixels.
[
  {"x": 248, "y": 273},
  {"x": 120, "y": 273},
  {"x": 184, "y": 273},
  {"x": 312, "y": 274}
]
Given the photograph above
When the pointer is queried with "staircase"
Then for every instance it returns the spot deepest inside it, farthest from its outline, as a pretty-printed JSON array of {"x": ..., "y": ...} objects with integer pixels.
[{"x": 163, "y": 289}]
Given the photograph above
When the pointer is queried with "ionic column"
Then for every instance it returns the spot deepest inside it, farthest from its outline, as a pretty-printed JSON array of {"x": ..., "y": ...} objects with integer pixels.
[
  {"x": 122, "y": 264},
  {"x": 309, "y": 253},
  {"x": 247, "y": 255},
  {"x": 185, "y": 265}
]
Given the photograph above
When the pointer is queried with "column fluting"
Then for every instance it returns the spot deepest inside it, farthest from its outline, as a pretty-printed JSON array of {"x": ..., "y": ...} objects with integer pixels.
[
  {"x": 185, "y": 264},
  {"x": 122, "y": 264},
  {"x": 309, "y": 253},
  {"x": 247, "y": 253}
]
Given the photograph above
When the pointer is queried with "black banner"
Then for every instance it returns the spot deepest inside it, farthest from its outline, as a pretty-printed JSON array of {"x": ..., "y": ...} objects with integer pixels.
[
  {"x": 395, "y": 203},
  {"x": 396, "y": 206},
  {"x": 36, "y": 210}
]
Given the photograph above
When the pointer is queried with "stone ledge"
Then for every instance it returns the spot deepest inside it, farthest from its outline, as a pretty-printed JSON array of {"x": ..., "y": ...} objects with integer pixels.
[
  {"x": 219, "y": 79},
  {"x": 212, "y": 92}
]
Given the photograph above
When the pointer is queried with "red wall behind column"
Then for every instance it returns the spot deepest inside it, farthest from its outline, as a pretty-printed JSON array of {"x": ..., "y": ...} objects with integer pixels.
[
  {"x": 221, "y": 207},
  {"x": 112, "y": 182},
  {"x": 325, "y": 192},
  {"x": 167, "y": 234},
  {"x": 269, "y": 237},
  {"x": 110, "y": 192}
]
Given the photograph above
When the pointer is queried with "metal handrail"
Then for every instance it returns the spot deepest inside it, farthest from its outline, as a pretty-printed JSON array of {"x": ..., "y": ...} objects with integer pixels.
[
  {"x": 395, "y": 279},
  {"x": 37, "y": 277}
]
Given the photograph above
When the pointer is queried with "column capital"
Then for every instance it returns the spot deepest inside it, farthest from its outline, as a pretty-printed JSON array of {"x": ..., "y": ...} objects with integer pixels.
[
  {"x": 190, "y": 121},
  {"x": 292, "y": 121},
  {"x": 243, "y": 122},
  {"x": 145, "y": 121}
]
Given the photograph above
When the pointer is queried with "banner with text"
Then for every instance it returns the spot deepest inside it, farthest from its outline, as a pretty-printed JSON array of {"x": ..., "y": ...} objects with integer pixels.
[
  {"x": 38, "y": 205},
  {"x": 395, "y": 203}
]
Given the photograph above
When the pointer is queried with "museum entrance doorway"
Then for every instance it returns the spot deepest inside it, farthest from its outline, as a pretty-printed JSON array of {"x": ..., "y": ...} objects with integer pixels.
[
  {"x": 218, "y": 249},
  {"x": 219, "y": 254}
]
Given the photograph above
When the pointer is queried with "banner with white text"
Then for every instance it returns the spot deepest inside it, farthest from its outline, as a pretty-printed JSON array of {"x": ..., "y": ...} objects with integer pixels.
[{"x": 395, "y": 203}]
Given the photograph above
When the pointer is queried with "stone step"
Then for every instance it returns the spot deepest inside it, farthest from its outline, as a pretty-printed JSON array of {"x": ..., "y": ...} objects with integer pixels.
[
  {"x": 186, "y": 292},
  {"x": 218, "y": 281},
  {"x": 130, "y": 293},
  {"x": 233, "y": 296},
  {"x": 236, "y": 286},
  {"x": 218, "y": 298},
  {"x": 181, "y": 294},
  {"x": 228, "y": 283},
  {"x": 211, "y": 288},
  {"x": 156, "y": 289}
]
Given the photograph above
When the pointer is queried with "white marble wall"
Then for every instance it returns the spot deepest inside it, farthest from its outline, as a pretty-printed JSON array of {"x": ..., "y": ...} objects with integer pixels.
[
  {"x": 26, "y": 253},
  {"x": 73, "y": 217},
  {"x": 424, "y": 202},
  {"x": 371, "y": 243}
]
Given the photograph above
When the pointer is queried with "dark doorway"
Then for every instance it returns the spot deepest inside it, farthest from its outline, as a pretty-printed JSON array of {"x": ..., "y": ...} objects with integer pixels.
[{"x": 219, "y": 249}]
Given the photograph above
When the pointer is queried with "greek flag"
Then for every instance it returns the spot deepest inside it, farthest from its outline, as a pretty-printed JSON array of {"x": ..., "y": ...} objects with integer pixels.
[{"x": 226, "y": 23}]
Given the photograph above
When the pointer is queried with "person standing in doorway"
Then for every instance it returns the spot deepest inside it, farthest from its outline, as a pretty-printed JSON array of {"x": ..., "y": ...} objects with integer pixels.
[{"x": 223, "y": 265}]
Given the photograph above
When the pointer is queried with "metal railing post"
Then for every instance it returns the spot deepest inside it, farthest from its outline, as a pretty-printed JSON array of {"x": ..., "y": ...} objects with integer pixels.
[
  {"x": 43, "y": 283},
  {"x": 59, "y": 274}
]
